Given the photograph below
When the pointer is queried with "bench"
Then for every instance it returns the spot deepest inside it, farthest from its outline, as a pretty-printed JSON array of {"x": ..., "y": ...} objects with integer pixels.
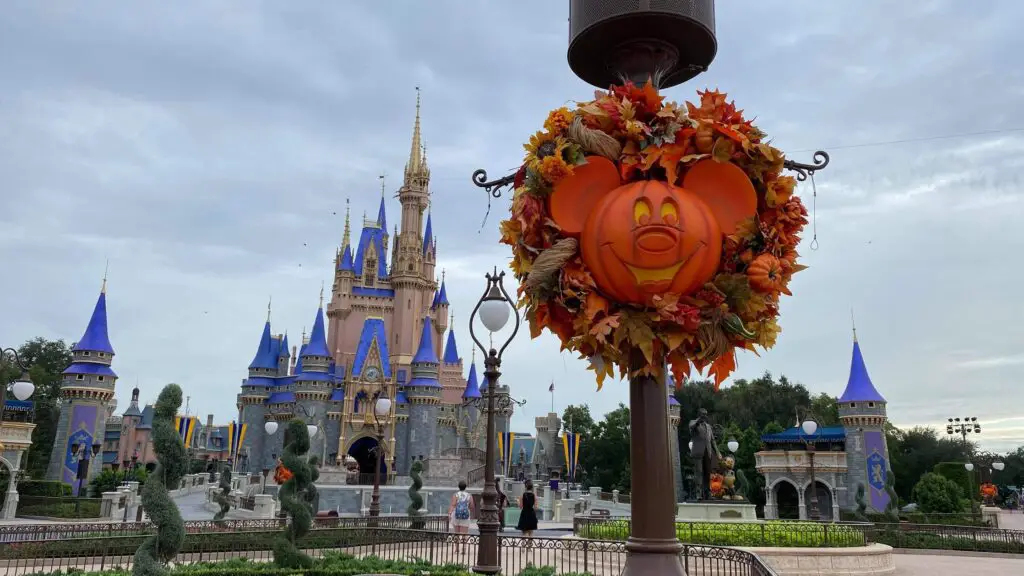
[{"x": 600, "y": 513}]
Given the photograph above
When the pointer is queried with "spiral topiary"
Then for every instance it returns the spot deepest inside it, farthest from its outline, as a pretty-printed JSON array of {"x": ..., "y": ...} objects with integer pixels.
[
  {"x": 415, "y": 509},
  {"x": 152, "y": 556},
  {"x": 862, "y": 505},
  {"x": 892, "y": 511},
  {"x": 222, "y": 496},
  {"x": 294, "y": 497}
]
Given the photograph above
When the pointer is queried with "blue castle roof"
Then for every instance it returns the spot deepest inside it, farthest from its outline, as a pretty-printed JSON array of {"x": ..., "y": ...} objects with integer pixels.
[
  {"x": 400, "y": 397},
  {"x": 337, "y": 395},
  {"x": 346, "y": 260},
  {"x": 89, "y": 369},
  {"x": 284, "y": 348},
  {"x": 373, "y": 330},
  {"x": 266, "y": 355},
  {"x": 425, "y": 354},
  {"x": 671, "y": 383},
  {"x": 95, "y": 338},
  {"x": 298, "y": 363},
  {"x": 859, "y": 387},
  {"x": 428, "y": 234},
  {"x": 451, "y": 351},
  {"x": 472, "y": 387},
  {"x": 281, "y": 398},
  {"x": 442, "y": 295},
  {"x": 317, "y": 338},
  {"x": 382, "y": 218},
  {"x": 375, "y": 236}
]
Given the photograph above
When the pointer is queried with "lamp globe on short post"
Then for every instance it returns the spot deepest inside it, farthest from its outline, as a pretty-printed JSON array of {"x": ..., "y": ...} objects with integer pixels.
[
  {"x": 494, "y": 309},
  {"x": 733, "y": 445},
  {"x": 809, "y": 428},
  {"x": 381, "y": 409},
  {"x": 22, "y": 388}
]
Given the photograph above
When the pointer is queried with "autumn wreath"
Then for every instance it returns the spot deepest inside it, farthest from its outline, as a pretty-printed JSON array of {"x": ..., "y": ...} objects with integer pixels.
[{"x": 639, "y": 224}]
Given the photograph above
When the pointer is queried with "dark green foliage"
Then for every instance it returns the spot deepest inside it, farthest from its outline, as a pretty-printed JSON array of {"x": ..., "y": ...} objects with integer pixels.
[
  {"x": 935, "y": 493},
  {"x": 160, "y": 548},
  {"x": 892, "y": 510},
  {"x": 221, "y": 497},
  {"x": 294, "y": 496},
  {"x": 605, "y": 452},
  {"x": 109, "y": 480},
  {"x": 415, "y": 500},
  {"x": 862, "y": 503},
  {"x": 49, "y": 488},
  {"x": 959, "y": 475},
  {"x": 916, "y": 451}
]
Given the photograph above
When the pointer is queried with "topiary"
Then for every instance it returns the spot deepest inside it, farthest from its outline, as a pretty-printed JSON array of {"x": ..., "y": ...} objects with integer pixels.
[
  {"x": 222, "y": 496},
  {"x": 862, "y": 504},
  {"x": 160, "y": 548},
  {"x": 293, "y": 495},
  {"x": 892, "y": 509},
  {"x": 415, "y": 500},
  {"x": 743, "y": 485}
]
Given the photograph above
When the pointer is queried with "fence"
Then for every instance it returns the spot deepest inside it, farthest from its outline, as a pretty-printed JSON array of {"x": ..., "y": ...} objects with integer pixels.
[
  {"x": 565, "y": 556},
  {"x": 45, "y": 532},
  {"x": 748, "y": 534},
  {"x": 940, "y": 537}
]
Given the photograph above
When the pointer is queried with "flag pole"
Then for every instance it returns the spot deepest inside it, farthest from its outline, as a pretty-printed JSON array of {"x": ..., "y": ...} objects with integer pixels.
[{"x": 552, "y": 390}]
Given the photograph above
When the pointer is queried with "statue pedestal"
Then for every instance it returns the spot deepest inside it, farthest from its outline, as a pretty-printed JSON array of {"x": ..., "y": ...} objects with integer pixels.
[{"x": 716, "y": 511}]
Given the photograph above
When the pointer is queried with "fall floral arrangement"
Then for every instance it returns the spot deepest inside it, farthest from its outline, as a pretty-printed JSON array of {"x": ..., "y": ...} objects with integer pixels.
[{"x": 638, "y": 224}]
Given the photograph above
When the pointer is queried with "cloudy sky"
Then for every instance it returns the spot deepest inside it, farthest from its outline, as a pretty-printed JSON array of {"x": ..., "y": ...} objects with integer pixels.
[{"x": 206, "y": 148}]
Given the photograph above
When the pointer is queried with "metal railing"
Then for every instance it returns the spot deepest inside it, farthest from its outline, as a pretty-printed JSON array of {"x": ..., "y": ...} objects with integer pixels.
[
  {"x": 476, "y": 475},
  {"x": 945, "y": 537},
  {"x": 565, "y": 556},
  {"x": 472, "y": 454},
  {"x": 747, "y": 534},
  {"x": 77, "y": 530}
]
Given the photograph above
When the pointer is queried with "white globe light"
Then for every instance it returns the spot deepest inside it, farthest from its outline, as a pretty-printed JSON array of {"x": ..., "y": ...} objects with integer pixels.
[
  {"x": 23, "y": 389},
  {"x": 998, "y": 465},
  {"x": 969, "y": 467},
  {"x": 383, "y": 406},
  {"x": 691, "y": 445},
  {"x": 494, "y": 314},
  {"x": 270, "y": 427},
  {"x": 311, "y": 429},
  {"x": 733, "y": 445},
  {"x": 809, "y": 427}
]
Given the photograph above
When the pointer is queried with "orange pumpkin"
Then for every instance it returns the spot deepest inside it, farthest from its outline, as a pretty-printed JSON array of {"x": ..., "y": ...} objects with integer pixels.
[
  {"x": 648, "y": 238},
  {"x": 765, "y": 274},
  {"x": 281, "y": 474}
]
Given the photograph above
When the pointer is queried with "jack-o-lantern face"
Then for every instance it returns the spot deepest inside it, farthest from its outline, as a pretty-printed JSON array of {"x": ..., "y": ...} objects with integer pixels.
[{"x": 647, "y": 238}]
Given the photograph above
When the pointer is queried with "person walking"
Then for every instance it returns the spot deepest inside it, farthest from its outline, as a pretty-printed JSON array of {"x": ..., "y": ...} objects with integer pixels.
[
  {"x": 528, "y": 515},
  {"x": 460, "y": 512},
  {"x": 501, "y": 501}
]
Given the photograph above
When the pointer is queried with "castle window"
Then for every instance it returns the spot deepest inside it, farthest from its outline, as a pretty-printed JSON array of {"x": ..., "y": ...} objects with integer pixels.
[
  {"x": 369, "y": 272},
  {"x": 99, "y": 378},
  {"x": 101, "y": 354},
  {"x": 85, "y": 353},
  {"x": 359, "y": 400},
  {"x": 853, "y": 404},
  {"x": 871, "y": 404},
  {"x": 79, "y": 377}
]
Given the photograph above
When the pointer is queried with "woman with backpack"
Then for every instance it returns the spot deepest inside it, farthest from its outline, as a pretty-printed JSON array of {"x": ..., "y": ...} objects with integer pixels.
[{"x": 460, "y": 512}]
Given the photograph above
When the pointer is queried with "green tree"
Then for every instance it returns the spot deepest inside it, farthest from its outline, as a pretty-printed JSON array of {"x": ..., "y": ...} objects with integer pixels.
[
  {"x": 47, "y": 360},
  {"x": 825, "y": 408},
  {"x": 607, "y": 453},
  {"x": 577, "y": 419},
  {"x": 915, "y": 452},
  {"x": 936, "y": 494}
]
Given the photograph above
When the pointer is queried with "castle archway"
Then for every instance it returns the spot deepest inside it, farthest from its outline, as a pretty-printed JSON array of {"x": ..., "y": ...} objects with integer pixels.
[
  {"x": 824, "y": 493},
  {"x": 787, "y": 500},
  {"x": 364, "y": 450}
]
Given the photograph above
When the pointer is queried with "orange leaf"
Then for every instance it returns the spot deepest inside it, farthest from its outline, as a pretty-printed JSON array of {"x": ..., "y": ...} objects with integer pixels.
[
  {"x": 722, "y": 367},
  {"x": 596, "y": 304}
]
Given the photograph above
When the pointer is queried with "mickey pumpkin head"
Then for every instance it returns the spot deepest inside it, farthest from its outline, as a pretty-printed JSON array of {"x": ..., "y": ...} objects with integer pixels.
[{"x": 649, "y": 237}]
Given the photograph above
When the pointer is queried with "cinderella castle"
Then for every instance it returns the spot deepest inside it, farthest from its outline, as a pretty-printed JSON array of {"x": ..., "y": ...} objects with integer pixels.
[{"x": 380, "y": 335}]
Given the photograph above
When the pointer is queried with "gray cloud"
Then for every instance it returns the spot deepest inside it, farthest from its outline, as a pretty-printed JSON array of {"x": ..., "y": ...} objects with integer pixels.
[{"x": 207, "y": 148}]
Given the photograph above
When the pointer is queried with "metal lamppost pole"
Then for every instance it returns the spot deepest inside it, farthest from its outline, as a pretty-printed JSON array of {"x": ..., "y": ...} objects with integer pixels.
[
  {"x": 22, "y": 388},
  {"x": 381, "y": 408},
  {"x": 970, "y": 476},
  {"x": 810, "y": 427},
  {"x": 494, "y": 308}
]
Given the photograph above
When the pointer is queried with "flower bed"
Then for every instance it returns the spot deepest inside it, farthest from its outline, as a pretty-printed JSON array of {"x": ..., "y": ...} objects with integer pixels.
[{"x": 749, "y": 534}]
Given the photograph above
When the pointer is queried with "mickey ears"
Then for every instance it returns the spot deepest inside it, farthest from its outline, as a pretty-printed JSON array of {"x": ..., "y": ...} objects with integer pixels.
[
  {"x": 726, "y": 189},
  {"x": 574, "y": 197}
]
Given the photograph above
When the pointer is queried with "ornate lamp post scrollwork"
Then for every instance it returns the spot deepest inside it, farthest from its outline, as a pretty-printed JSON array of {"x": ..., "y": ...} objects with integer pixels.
[
  {"x": 494, "y": 309},
  {"x": 22, "y": 387}
]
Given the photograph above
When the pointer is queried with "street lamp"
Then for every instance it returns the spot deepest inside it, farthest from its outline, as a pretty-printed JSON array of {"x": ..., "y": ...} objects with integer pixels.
[
  {"x": 270, "y": 427},
  {"x": 733, "y": 445},
  {"x": 82, "y": 452},
  {"x": 311, "y": 429},
  {"x": 963, "y": 427},
  {"x": 809, "y": 427},
  {"x": 381, "y": 409},
  {"x": 22, "y": 388},
  {"x": 494, "y": 308}
]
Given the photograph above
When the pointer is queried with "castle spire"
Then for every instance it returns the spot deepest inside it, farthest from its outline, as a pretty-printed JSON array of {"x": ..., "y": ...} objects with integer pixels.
[
  {"x": 382, "y": 218},
  {"x": 415, "y": 154},
  {"x": 859, "y": 387},
  {"x": 95, "y": 338},
  {"x": 428, "y": 234},
  {"x": 347, "y": 237},
  {"x": 853, "y": 323},
  {"x": 317, "y": 345},
  {"x": 451, "y": 351},
  {"x": 472, "y": 385}
]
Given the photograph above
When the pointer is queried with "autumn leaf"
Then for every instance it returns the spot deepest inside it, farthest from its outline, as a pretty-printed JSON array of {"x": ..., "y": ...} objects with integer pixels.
[
  {"x": 595, "y": 304},
  {"x": 723, "y": 150},
  {"x": 670, "y": 157},
  {"x": 673, "y": 339},
  {"x": 722, "y": 367},
  {"x": 605, "y": 327},
  {"x": 635, "y": 330},
  {"x": 767, "y": 333}
]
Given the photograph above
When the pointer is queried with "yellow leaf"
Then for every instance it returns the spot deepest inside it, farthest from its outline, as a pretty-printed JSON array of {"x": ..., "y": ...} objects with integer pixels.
[{"x": 723, "y": 150}]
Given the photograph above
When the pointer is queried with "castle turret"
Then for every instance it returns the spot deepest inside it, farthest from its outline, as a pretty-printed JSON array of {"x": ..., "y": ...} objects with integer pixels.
[
  {"x": 86, "y": 389},
  {"x": 863, "y": 415},
  {"x": 424, "y": 394}
]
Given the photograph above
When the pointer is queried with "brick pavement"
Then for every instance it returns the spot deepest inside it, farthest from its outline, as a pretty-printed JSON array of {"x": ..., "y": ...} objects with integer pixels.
[{"x": 944, "y": 565}]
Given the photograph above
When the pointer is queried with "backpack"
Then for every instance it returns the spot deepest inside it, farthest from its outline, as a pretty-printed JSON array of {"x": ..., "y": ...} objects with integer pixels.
[{"x": 462, "y": 507}]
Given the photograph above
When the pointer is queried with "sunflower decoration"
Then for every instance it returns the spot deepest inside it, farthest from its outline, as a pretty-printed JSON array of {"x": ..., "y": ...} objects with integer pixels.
[{"x": 640, "y": 224}]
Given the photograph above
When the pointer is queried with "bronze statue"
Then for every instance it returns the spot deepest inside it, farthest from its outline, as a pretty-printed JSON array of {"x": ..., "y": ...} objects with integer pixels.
[{"x": 704, "y": 453}]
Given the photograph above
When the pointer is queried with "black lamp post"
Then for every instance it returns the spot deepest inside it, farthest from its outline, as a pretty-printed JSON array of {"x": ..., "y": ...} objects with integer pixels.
[
  {"x": 83, "y": 453},
  {"x": 22, "y": 388},
  {"x": 381, "y": 408},
  {"x": 809, "y": 428},
  {"x": 494, "y": 308},
  {"x": 963, "y": 427}
]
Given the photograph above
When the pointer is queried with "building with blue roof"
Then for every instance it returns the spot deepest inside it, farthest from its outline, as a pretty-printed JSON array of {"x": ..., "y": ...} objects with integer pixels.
[
  {"x": 385, "y": 329},
  {"x": 844, "y": 459}
]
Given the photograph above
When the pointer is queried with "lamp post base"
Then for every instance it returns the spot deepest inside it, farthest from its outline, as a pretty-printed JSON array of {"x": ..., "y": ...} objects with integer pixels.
[{"x": 654, "y": 557}]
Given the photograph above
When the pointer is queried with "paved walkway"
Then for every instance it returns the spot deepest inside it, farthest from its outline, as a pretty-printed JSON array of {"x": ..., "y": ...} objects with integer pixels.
[{"x": 943, "y": 565}]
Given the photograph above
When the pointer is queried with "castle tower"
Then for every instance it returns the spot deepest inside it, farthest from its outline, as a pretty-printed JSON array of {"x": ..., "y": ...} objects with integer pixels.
[
  {"x": 313, "y": 386},
  {"x": 469, "y": 421},
  {"x": 862, "y": 413},
  {"x": 412, "y": 273},
  {"x": 424, "y": 395},
  {"x": 130, "y": 421},
  {"x": 261, "y": 392},
  {"x": 503, "y": 416},
  {"x": 451, "y": 371},
  {"x": 86, "y": 388}
]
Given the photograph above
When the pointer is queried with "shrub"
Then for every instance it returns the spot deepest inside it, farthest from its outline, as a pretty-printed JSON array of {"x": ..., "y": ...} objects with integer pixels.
[
  {"x": 956, "y": 472},
  {"x": 295, "y": 498},
  {"x": 752, "y": 534},
  {"x": 49, "y": 488},
  {"x": 935, "y": 493},
  {"x": 160, "y": 548}
]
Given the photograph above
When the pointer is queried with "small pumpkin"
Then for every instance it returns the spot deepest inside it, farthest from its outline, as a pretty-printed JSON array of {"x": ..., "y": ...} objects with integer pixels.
[
  {"x": 281, "y": 474},
  {"x": 716, "y": 486},
  {"x": 648, "y": 238},
  {"x": 766, "y": 275}
]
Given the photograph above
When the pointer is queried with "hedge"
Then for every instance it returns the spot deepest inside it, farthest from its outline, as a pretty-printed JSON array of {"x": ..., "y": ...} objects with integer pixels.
[
  {"x": 48, "y": 488},
  {"x": 751, "y": 534}
]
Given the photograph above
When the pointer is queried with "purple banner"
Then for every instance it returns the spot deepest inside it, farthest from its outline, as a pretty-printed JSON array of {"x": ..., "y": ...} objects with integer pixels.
[
  {"x": 878, "y": 469},
  {"x": 83, "y": 420}
]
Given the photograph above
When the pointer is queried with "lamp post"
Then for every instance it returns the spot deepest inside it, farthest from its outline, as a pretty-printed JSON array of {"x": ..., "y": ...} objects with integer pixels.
[
  {"x": 963, "y": 427},
  {"x": 733, "y": 445},
  {"x": 970, "y": 477},
  {"x": 83, "y": 453},
  {"x": 810, "y": 427},
  {"x": 381, "y": 408},
  {"x": 22, "y": 387},
  {"x": 313, "y": 430},
  {"x": 494, "y": 308}
]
